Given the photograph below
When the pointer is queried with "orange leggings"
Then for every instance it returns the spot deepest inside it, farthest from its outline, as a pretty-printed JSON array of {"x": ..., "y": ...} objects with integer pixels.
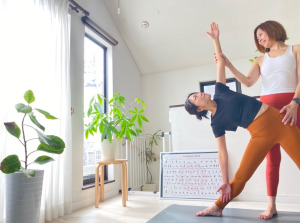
[
  {"x": 266, "y": 131},
  {"x": 273, "y": 157}
]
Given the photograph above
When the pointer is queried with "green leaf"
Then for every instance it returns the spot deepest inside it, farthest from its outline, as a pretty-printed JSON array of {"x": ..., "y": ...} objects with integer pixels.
[
  {"x": 13, "y": 129},
  {"x": 132, "y": 132},
  {"x": 100, "y": 99},
  {"x": 98, "y": 108},
  {"x": 35, "y": 121},
  {"x": 28, "y": 173},
  {"x": 91, "y": 101},
  {"x": 87, "y": 133},
  {"x": 103, "y": 134},
  {"x": 109, "y": 136},
  {"x": 91, "y": 131},
  {"x": 43, "y": 138},
  {"x": 122, "y": 133},
  {"x": 144, "y": 118},
  {"x": 43, "y": 160},
  {"x": 47, "y": 115},
  {"x": 137, "y": 100},
  {"x": 114, "y": 130},
  {"x": 10, "y": 164},
  {"x": 102, "y": 126},
  {"x": 56, "y": 145},
  {"x": 140, "y": 121},
  {"x": 89, "y": 112},
  {"x": 133, "y": 118},
  {"x": 128, "y": 135},
  {"x": 29, "y": 96},
  {"x": 23, "y": 108}
]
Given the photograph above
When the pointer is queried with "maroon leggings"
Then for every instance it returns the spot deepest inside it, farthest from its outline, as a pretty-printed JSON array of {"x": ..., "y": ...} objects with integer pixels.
[{"x": 274, "y": 156}]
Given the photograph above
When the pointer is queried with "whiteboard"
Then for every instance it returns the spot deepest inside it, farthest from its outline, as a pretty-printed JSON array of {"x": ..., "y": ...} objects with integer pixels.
[
  {"x": 189, "y": 133},
  {"x": 189, "y": 175}
]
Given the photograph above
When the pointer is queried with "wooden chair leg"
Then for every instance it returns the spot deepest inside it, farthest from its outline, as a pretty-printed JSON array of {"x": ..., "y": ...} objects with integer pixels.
[
  {"x": 123, "y": 185},
  {"x": 102, "y": 184},
  {"x": 97, "y": 186},
  {"x": 126, "y": 181}
]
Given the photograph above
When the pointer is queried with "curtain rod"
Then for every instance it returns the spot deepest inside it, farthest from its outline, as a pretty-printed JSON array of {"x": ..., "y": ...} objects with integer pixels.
[
  {"x": 77, "y": 7},
  {"x": 98, "y": 30}
]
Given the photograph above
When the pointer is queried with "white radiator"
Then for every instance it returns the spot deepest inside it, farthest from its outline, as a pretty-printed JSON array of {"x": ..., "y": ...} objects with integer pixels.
[{"x": 136, "y": 167}]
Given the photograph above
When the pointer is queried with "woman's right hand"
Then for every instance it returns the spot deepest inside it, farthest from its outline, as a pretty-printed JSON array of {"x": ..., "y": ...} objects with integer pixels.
[{"x": 227, "y": 62}]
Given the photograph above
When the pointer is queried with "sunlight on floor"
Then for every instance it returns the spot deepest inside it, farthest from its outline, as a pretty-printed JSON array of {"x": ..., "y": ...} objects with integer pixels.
[{"x": 142, "y": 207}]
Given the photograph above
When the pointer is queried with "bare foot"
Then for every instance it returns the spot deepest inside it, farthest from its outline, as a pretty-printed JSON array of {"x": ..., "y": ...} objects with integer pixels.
[
  {"x": 213, "y": 210},
  {"x": 269, "y": 213}
]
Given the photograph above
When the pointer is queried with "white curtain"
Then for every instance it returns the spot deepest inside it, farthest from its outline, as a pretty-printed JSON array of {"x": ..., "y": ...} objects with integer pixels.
[{"x": 34, "y": 54}]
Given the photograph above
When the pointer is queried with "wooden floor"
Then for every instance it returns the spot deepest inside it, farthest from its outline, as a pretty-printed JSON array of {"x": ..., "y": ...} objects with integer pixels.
[{"x": 143, "y": 206}]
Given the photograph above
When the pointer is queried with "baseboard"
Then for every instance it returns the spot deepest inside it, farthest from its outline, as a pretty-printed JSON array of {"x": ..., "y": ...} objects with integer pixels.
[
  {"x": 143, "y": 192},
  {"x": 264, "y": 198},
  {"x": 91, "y": 200}
]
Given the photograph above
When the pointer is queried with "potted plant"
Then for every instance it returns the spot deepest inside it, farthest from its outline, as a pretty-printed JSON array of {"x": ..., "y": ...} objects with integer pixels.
[
  {"x": 122, "y": 120},
  {"x": 24, "y": 185},
  {"x": 151, "y": 141}
]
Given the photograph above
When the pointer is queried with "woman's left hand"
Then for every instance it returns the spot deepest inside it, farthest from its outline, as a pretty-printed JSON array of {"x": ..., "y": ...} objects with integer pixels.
[
  {"x": 290, "y": 113},
  {"x": 226, "y": 192}
]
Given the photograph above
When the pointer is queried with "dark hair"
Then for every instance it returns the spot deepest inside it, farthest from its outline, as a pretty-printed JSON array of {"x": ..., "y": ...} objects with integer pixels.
[
  {"x": 192, "y": 109},
  {"x": 275, "y": 32}
]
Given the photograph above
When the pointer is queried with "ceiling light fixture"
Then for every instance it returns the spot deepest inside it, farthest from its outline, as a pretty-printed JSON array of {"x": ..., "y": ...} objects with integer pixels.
[{"x": 145, "y": 25}]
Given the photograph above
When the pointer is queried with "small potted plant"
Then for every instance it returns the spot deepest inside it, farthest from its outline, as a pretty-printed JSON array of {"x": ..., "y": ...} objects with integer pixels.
[
  {"x": 122, "y": 120},
  {"x": 20, "y": 180},
  {"x": 151, "y": 141}
]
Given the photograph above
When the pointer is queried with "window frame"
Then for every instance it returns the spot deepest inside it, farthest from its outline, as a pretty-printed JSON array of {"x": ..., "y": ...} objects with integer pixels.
[{"x": 87, "y": 183}]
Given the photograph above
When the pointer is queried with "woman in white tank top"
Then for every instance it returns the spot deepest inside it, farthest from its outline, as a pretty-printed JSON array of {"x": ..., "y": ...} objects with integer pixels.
[{"x": 279, "y": 69}]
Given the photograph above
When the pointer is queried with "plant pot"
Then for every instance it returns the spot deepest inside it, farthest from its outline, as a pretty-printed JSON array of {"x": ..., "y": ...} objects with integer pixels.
[
  {"x": 149, "y": 187},
  {"x": 23, "y": 197},
  {"x": 108, "y": 149}
]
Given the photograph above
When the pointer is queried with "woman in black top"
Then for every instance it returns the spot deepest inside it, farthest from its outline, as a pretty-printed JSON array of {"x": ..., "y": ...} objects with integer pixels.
[{"x": 230, "y": 110}]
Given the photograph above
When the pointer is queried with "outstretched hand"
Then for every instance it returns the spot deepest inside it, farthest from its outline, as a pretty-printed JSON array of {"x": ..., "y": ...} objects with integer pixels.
[
  {"x": 214, "y": 31},
  {"x": 290, "y": 111},
  {"x": 225, "y": 192}
]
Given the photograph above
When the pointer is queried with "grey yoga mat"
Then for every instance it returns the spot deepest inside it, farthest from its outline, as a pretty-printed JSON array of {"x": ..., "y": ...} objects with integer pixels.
[{"x": 185, "y": 214}]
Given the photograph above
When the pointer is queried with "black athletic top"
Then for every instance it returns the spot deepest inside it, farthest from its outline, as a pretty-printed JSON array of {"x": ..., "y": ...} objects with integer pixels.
[{"x": 233, "y": 110}]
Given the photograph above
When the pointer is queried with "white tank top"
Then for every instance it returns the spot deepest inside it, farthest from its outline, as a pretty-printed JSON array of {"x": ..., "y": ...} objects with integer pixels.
[{"x": 279, "y": 74}]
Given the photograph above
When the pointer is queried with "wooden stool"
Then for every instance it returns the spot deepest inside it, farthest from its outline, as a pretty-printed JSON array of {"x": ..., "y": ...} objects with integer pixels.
[{"x": 124, "y": 182}]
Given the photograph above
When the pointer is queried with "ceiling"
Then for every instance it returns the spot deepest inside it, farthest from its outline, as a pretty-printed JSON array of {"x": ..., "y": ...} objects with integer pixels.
[{"x": 176, "y": 37}]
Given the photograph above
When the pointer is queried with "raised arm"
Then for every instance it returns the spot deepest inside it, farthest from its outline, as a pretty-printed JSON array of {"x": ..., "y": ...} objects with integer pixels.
[{"x": 214, "y": 35}]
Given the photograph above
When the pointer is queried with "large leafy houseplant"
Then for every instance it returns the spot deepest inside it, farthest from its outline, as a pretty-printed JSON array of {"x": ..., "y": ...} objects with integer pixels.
[
  {"x": 122, "y": 119},
  {"x": 47, "y": 143}
]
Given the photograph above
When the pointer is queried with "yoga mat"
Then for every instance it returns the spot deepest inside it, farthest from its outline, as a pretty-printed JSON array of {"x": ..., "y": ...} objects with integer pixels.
[{"x": 185, "y": 214}]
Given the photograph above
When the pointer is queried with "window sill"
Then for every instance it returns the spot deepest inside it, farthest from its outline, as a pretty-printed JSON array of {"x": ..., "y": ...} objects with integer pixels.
[{"x": 88, "y": 186}]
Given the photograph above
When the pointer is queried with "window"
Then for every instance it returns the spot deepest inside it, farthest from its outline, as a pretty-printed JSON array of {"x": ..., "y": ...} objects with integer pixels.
[{"x": 94, "y": 82}]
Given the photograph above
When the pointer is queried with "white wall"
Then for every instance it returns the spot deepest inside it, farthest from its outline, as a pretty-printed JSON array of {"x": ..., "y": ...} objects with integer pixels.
[
  {"x": 126, "y": 80},
  {"x": 171, "y": 88}
]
